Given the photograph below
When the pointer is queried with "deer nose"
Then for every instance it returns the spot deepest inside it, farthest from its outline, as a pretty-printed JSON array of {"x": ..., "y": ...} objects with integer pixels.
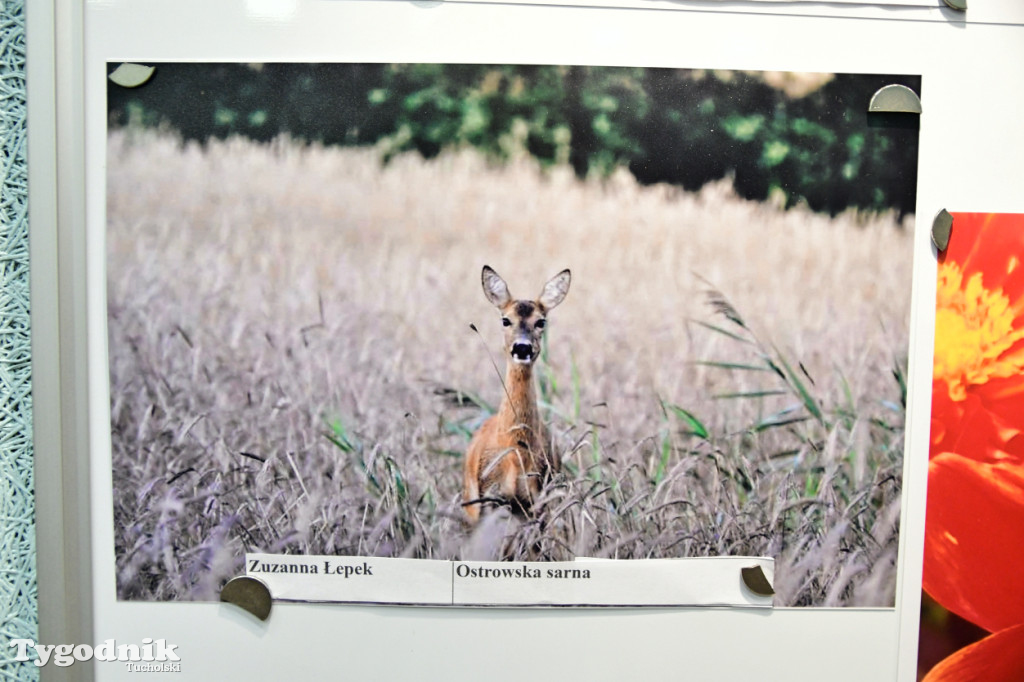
[{"x": 522, "y": 351}]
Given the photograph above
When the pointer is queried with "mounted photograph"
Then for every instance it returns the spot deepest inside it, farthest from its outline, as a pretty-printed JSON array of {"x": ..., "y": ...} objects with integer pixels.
[{"x": 506, "y": 313}]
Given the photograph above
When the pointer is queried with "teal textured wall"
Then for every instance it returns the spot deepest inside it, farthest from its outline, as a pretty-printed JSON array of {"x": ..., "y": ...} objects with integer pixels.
[{"x": 18, "y": 610}]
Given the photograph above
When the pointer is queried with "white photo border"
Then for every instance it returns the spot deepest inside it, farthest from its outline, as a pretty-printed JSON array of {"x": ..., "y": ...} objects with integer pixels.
[{"x": 968, "y": 123}]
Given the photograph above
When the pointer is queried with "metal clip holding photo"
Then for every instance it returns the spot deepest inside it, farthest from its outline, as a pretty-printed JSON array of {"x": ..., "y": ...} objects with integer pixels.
[
  {"x": 250, "y": 594},
  {"x": 895, "y": 99},
  {"x": 942, "y": 228}
]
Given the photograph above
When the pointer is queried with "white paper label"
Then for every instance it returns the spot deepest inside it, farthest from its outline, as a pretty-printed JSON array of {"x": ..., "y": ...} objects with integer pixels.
[{"x": 713, "y": 581}]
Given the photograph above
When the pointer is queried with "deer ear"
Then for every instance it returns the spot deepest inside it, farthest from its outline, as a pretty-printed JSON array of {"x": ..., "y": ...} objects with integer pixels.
[
  {"x": 495, "y": 288},
  {"x": 555, "y": 290}
]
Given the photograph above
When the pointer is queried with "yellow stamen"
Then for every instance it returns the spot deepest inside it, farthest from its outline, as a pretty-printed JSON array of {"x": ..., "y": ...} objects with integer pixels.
[{"x": 973, "y": 330}]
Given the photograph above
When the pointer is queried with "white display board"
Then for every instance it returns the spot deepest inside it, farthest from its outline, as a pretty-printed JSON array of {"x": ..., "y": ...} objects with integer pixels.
[{"x": 970, "y": 146}]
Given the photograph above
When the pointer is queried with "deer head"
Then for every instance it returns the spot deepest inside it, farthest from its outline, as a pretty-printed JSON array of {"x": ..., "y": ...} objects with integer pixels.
[{"x": 524, "y": 320}]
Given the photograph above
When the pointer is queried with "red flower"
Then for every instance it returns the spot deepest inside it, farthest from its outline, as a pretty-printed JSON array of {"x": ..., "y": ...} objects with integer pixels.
[
  {"x": 974, "y": 533},
  {"x": 990, "y": 659}
]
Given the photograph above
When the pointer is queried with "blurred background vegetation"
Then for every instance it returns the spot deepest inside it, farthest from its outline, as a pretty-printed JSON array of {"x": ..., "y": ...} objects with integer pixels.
[{"x": 797, "y": 138}]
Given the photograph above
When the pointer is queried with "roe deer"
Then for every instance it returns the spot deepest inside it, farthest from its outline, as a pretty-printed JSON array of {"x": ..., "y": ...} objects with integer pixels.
[{"x": 509, "y": 455}]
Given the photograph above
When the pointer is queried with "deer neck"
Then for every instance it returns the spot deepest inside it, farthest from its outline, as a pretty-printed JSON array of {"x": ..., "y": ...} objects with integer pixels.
[{"x": 519, "y": 406}]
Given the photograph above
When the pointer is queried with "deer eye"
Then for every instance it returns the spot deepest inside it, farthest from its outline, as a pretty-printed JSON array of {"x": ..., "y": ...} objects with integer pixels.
[
  {"x": 506, "y": 322},
  {"x": 540, "y": 324}
]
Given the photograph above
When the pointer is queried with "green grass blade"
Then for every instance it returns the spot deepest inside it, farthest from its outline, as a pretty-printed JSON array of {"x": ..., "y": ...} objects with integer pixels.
[
  {"x": 595, "y": 469},
  {"x": 666, "y": 453},
  {"x": 340, "y": 436},
  {"x": 807, "y": 374},
  {"x": 769, "y": 423},
  {"x": 456, "y": 428},
  {"x": 901, "y": 379},
  {"x": 731, "y": 365},
  {"x": 696, "y": 428},
  {"x": 772, "y": 367},
  {"x": 392, "y": 468},
  {"x": 750, "y": 394},
  {"x": 805, "y": 396},
  {"x": 724, "y": 332}
]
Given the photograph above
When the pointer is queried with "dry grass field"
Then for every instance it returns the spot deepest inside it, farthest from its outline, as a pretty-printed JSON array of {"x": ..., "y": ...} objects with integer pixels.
[{"x": 293, "y": 369}]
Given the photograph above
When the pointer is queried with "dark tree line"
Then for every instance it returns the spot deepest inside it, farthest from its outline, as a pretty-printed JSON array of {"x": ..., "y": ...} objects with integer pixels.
[{"x": 665, "y": 125}]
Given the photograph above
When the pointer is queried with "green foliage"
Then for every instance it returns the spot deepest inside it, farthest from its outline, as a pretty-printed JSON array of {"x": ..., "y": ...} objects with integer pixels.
[
  {"x": 694, "y": 426},
  {"x": 682, "y": 127},
  {"x": 808, "y": 422}
]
